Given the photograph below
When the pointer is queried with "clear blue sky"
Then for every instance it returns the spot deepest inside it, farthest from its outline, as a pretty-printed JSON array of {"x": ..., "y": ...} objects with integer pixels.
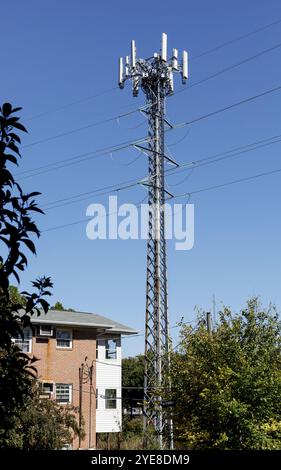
[{"x": 54, "y": 53}]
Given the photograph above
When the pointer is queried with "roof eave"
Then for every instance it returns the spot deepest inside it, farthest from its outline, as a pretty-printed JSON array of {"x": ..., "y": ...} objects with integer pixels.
[
  {"x": 124, "y": 332},
  {"x": 71, "y": 323},
  {"x": 108, "y": 328}
]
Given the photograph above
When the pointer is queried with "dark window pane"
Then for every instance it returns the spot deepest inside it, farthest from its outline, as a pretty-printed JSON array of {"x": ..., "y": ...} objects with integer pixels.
[{"x": 110, "y": 399}]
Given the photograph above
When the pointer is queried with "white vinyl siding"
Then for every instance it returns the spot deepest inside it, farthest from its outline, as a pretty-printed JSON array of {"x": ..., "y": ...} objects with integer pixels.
[{"x": 108, "y": 377}]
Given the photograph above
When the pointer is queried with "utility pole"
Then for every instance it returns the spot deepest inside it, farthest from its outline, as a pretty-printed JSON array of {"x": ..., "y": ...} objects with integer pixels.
[
  {"x": 81, "y": 374},
  {"x": 90, "y": 405},
  {"x": 209, "y": 322},
  {"x": 85, "y": 376},
  {"x": 155, "y": 77}
]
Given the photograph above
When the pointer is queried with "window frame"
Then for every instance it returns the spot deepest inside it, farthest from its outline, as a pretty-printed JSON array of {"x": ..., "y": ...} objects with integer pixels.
[
  {"x": 60, "y": 384},
  {"x": 108, "y": 349},
  {"x": 45, "y": 392},
  {"x": 110, "y": 399},
  {"x": 46, "y": 334},
  {"x": 26, "y": 340},
  {"x": 64, "y": 330}
]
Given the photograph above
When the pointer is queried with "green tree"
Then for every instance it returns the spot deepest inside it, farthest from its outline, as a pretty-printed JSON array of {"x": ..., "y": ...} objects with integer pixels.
[
  {"x": 45, "y": 425},
  {"x": 15, "y": 297},
  {"x": 132, "y": 382},
  {"x": 17, "y": 229},
  {"x": 59, "y": 306},
  {"x": 227, "y": 385}
]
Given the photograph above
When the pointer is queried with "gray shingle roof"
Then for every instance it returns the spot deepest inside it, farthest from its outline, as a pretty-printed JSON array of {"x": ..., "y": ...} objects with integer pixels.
[{"x": 67, "y": 318}]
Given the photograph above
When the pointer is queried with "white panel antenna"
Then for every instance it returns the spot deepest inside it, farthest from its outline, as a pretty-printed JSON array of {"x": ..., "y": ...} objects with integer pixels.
[
  {"x": 139, "y": 69},
  {"x": 133, "y": 53},
  {"x": 175, "y": 64},
  {"x": 184, "y": 66},
  {"x": 164, "y": 47},
  {"x": 127, "y": 66},
  {"x": 121, "y": 78}
]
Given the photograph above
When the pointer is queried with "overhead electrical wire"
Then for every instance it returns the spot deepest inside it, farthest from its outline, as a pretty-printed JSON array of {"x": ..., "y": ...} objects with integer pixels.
[
  {"x": 88, "y": 126},
  {"x": 190, "y": 193},
  {"x": 227, "y": 69},
  {"x": 188, "y": 166},
  {"x": 102, "y": 395},
  {"x": 232, "y": 41},
  {"x": 131, "y": 162},
  {"x": 183, "y": 180},
  {"x": 227, "y": 154},
  {"x": 87, "y": 193},
  {"x": 186, "y": 134},
  {"x": 139, "y": 334},
  {"x": 201, "y": 54},
  {"x": 108, "y": 150},
  {"x": 226, "y": 108},
  {"x": 229, "y": 183},
  {"x": 72, "y": 103},
  {"x": 114, "y": 118},
  {"x": 79, "y": 158}
]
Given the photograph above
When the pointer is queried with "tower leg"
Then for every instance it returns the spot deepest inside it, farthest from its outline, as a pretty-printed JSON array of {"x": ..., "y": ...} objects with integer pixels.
[{"x": 157, "y": 361}]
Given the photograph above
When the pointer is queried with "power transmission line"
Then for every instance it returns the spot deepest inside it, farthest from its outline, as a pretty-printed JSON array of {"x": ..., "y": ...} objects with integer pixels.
[
  {"x": 80, "y": 158},
  {"x": 240, "y": 180},
  {"x": 111, "y": 187},
  {"x": 121, "y": 146},
  {"x": 88, "y": 126},
  {"x": 230, "y": 67},
  {"x": 226, "y": 108},
  {"x": 201, "y": 54},
  {"x": 225, "y": 155},
  {"x": 238, "y": 38},
  {"x": 114, "y": 118},
  {"x": 114, "y": 189},
  {"x": 186, "y": 134},
  {"x": 229, "y": 183},
  {"x": 72, "y": 103},
  {"x": 236, "y": 151}
]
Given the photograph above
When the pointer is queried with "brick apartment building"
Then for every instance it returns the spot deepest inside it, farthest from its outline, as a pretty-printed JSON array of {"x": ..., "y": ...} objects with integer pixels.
[{"x": 63, "y": 341}]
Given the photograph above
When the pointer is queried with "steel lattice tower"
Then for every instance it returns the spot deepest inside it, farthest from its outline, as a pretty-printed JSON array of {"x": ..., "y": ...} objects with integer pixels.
[{"x": 155, "y": 77}]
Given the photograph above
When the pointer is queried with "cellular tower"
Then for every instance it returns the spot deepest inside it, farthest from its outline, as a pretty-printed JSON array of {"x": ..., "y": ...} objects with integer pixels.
[{"x": 155, "y": 77}]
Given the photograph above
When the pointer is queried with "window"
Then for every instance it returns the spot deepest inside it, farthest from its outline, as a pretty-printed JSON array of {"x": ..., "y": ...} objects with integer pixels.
[
  {"x": 63, "y": 393},
  {"x": 46, "y": 389},
  {"x": 97, "y": 349},
  {"x": 46, "y": 330},
  {"x": 110, "y": 398},
  {"x": 64, "y": 339},
  {"x": 111, "y": 349},
  {"x": 24, "y": 342}
]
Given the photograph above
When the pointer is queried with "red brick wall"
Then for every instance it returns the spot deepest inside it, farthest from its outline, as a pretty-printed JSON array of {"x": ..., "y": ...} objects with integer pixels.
[{"x": 62, "y": 366}]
